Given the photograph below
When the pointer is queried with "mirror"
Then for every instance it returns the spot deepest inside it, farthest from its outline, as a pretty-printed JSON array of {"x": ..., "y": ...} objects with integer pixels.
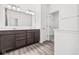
[{"x": 17, "y": 18}]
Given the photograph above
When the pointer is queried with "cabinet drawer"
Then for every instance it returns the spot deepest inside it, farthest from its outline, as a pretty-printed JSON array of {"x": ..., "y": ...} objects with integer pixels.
[
  {"x": 21, "y": 34},
  {"x": 28, "y": 31},
  {"x": 7, "y": 32},
  {"x": 20, "y": 38},
  {"x": 20, "y": 43},
  {"x": 29, "y": 37},
  {"x": 19, "y": 31}
]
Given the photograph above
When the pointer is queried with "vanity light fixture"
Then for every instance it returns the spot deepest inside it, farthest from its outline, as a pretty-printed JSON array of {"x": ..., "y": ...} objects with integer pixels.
[
  {"x": 30, "y": 12},
  {"x": 14, "y": 7}
]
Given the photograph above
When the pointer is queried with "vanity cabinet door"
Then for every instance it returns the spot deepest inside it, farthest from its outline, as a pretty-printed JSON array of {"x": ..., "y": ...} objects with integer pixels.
[
  {"x": 20, "y": 43},
  {"x": 7, "y": 41},
  {"x": 37, "y": 36}
]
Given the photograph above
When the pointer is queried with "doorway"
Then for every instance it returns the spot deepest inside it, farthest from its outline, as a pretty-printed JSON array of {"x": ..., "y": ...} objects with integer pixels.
[{"x": 53, "y": 24}]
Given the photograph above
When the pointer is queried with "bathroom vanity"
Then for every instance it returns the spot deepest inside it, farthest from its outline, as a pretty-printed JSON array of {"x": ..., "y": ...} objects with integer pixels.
[
  {"x": 13, "y": 39},
  {"x": 15, "y": 32}
]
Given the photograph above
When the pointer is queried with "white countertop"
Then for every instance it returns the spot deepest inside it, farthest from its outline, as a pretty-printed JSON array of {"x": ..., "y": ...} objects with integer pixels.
[
  {"x": 67, "y": 30},
  {"x": 16, "y": 28}
]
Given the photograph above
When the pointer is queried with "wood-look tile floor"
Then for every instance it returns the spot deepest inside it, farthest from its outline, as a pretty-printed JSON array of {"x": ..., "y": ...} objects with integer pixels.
[{"x": 45, "y": 48}]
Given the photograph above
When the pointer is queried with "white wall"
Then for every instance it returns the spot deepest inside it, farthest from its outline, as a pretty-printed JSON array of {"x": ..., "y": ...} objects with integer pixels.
[
  {"x": 66, "y": 42},
  {"x": 66, "y": 13},
  {"x": 67, "y": 36},
  {"x": 2, "y": 16}
]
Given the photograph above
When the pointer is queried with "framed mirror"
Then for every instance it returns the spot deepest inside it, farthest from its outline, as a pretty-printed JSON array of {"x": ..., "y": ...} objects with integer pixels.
[{"x": 17, "y": 18}]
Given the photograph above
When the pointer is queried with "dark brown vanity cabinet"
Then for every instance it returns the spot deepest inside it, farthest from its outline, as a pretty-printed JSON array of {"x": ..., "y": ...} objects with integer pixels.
[{"x": 12, "y": 39}]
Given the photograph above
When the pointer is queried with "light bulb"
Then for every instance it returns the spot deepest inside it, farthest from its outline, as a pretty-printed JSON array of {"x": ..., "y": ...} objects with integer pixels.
[
  {"x": 14, "y": 8},
  {"x": 27, "y": 11},
  {"x": 33, "y": 13},
  {"x": 18, "y": 9},
  {"x": 9, "y": 7}
]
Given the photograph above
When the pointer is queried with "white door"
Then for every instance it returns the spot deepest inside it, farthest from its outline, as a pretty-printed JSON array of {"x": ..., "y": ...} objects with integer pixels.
[{"x": 44, "y": 22}]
